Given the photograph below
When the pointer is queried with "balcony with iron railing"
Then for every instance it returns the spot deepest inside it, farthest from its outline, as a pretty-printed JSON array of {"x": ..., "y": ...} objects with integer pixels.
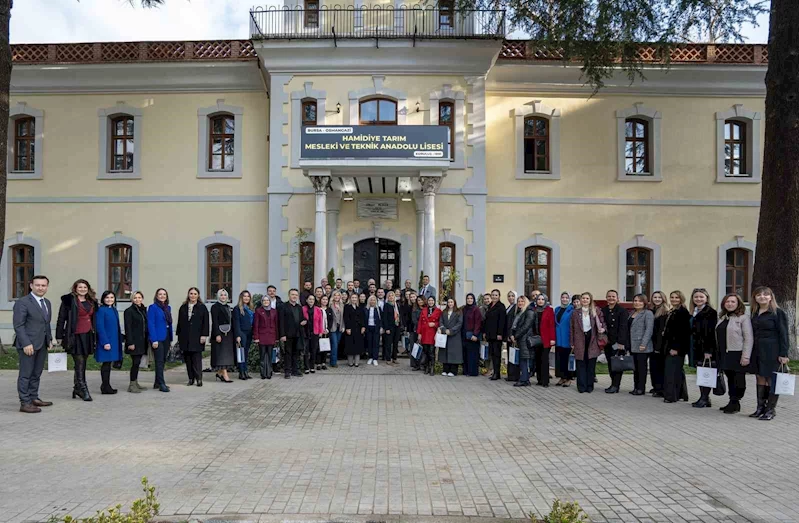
[{"x": 313, "y": 21}]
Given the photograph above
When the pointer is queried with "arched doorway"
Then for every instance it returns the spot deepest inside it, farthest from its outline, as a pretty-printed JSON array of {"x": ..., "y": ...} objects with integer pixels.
[{"x": 377, "y": 258}]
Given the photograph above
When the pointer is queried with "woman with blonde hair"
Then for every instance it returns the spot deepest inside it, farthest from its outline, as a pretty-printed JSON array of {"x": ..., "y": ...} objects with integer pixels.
[
  {"x": 770, "y": 352},
  {"x": 223, "y": 347},
  {"x": 676, "y": 345},
  {"x": 586, "y": 326},
  {"x": 657, "y": 360},
  {"x": 243, "y": 316},
  {"x": 703, "y": 339},
  {"x": 734, "y": 342}
]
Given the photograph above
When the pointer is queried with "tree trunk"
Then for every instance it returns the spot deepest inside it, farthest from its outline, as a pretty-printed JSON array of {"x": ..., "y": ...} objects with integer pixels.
[
  {"x": 5, "y": 82},
  {"x": 777, "y": 257}
]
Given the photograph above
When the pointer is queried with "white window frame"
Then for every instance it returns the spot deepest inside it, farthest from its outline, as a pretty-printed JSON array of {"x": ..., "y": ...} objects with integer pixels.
[
  {"x": 754, "y": 156},
  {"x": 352, "y": 115},
  {"x": 204, "y": 115},
  {"x": 15, "y": 112},
  {"x": 106, "y": 116},
  {"x": 737, "y": 243},
  {"x": 202, "y": 266},
  {"x": 655, "y": 277},
  {"x": 6, "y": 303},
  {"x": 654, "y": 117},
  {"x": 458, "y": 98},
  {"x": 102, "y": 259},
  {"x": 539, "y": 240},
  {"x": 537, "y": 108},
  {"x": 307, "y": 93}
]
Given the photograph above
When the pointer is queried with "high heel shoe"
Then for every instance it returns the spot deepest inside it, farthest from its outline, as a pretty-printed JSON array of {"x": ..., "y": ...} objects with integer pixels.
[
  {"x": 223, "y": 380},
  {"x": 190, "y": 383},
  {"x": 199, "y": 383}
]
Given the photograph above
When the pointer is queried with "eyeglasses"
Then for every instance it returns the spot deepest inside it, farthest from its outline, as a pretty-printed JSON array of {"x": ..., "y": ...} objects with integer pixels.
[{"x": 700, "y": 289}]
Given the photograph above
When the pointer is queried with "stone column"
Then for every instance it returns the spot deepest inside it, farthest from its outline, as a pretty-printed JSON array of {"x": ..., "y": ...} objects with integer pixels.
[
  {"x": 430, "y": 185},
  {"x": 333, "y": 206},
  {"x": 320, "y": 184},
  {"x": 419, "y": 200}
]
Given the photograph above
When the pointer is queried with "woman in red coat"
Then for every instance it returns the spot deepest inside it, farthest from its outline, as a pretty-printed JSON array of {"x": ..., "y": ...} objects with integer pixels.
[
  {"x": 429, "y": 321},
  {"x": 265, "y": 330},
  {"x": 546, "y": 326}
]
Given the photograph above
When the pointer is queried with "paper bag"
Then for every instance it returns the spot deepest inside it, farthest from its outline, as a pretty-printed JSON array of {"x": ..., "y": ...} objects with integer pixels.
[
  {"x": 572, "y": 363},
  {"x": 56, "y": 361},
  {"x": 484, "y": 351},
  {"x": 513, "y": 355},
  {"x": 416, "y": 352},
  {"x": 784, "y": 383},
  {"x": 324, "y": 344},
  {"x": 706, "y": 377},
  {"x": 240, "y": 354},
  {"x": 441, "y": 340}
]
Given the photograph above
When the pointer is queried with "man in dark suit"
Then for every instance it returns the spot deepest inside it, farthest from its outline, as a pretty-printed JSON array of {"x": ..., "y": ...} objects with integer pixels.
[
  {"x": 33, "y": 338},
  {"x": 291, "y": 319},
  {"x": 427, "y": 290}
]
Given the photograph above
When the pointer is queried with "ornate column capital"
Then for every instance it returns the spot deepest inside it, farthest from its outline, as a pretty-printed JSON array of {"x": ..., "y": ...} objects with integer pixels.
[
  {"x": 321, "y": 184},
  {"x": 430, "y": 184}
]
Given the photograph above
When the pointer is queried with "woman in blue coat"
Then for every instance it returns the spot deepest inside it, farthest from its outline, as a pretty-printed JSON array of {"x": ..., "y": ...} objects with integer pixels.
[
  {"x": 242, "y": 326},
  {"x": 159, "y": 325},
  {"x": 563, "y": 315},
  {"x": 109, "y": 339}
]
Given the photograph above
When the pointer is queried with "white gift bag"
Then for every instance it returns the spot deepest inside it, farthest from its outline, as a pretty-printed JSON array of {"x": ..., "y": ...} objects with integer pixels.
[
  {"x": 441, "y": 340},
  {"x": 513, "y": 355},
  {"x": 275, "y": 354},
  {"x": 484, "y": 351},
  {"x": 144, "y": 363},
  {"x": 56, "y": 361},
  {"x": 240, "y": 354},
  {"x": 324, "y": 344},
  {"x": 706, "y": 377},
  {"x": 784, "y": 383},
  {"x": 416, "y": 352}
]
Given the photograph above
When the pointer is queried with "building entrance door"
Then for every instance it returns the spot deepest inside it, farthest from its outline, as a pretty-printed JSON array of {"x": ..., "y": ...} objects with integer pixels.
[{"x": 376, "y": 259}]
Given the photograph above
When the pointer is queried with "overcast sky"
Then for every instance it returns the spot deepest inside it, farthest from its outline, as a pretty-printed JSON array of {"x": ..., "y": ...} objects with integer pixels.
[{"x": 53, "y": 21}]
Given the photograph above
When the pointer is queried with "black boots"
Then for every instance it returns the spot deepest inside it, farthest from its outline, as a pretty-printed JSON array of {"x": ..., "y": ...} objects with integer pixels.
[
  {"x": 80, "y": 390},
  {"x": 762, "y": 396},
  {"x": 732, "y": 407},
  {"x": 704, "y": 399},
  {"x": 771, "y": 406}
]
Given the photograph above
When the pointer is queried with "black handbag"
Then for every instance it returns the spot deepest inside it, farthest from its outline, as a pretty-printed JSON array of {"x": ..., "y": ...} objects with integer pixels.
[
  {"x": 621, "y": 363},
  {"x": 721, "y": 385}
]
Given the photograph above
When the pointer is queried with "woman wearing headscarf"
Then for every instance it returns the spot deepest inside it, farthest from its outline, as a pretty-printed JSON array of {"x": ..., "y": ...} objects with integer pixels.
[
  {"x": 472, "y": 323},
  {"x": 242, "y": 325},
  {"x": 429, "y": 321},
  {"x": 563, "y": 350},
  {"x": 485, "y": 305},
  {"x": 510, "y": 314},
  {"x": 192, "y": 332},
  {"x": 545, "y": 321},
  {"x": 223, "y": 346},
  {"x": 135, "y": 318},
  {"x": 451, "y": 324},
  {"x": 109, "y": 339},
  {"x": 265, "y": 329},
  {"x": 521, "y": 330}
]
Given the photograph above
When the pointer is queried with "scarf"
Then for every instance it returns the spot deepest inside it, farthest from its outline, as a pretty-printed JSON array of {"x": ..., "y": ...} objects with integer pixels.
[{"x": 165, "y": 309}]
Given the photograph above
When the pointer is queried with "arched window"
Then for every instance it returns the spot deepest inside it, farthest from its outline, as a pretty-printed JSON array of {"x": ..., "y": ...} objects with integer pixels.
[
  {"x": 537, "y": 270},
  {"x": 311, "y": 13},
  {"x": 446, "y": 265},
  {"x": 536, "y": 144},
  {"x": 446, "y": 117},
  {"x": 737, "y": 279},
  {"x": 120, "y": 270},
  {"x": 221, "y": 139},
  {"x": 22, "y": 258},
  {"x": 219, "y": 267},
  {"x": 636, "y": 147},
  {"x": 638, "y": 272},
  {"x": 735, "y": 153},
  {"x": 24, "y": 144},
  {"x": 378, "y": 111},
  {"x": 307, "y": 254},
  {"x": 308, "y": 112}
]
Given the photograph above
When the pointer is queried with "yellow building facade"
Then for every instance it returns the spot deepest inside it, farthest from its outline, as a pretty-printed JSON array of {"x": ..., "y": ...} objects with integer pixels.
[{"x": 179, "y": 164}]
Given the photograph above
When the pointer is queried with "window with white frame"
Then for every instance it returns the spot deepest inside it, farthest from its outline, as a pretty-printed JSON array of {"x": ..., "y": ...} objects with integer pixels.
[
  {"x": 220, "y": 141},
  {"x": 120, "y": 142},
  {"x": 736, "y": 261},
  {"x": 738, "y": 149},
  {"x": 22, "y": 259},
  {"x": 638, "y": 137},
  {"x": 24, "y": 146},
  {"x": 537, "y": 140}
]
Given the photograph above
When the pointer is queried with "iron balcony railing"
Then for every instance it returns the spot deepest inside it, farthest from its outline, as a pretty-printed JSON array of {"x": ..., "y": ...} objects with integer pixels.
[{"x": 380, "y": 21}]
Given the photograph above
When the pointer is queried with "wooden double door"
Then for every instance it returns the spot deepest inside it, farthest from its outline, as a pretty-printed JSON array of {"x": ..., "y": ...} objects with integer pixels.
[{"x": 377, "y": 258}]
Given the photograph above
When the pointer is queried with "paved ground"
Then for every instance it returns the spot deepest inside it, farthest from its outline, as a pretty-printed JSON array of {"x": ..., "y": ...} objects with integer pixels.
[{"x": 386, "y": 441}]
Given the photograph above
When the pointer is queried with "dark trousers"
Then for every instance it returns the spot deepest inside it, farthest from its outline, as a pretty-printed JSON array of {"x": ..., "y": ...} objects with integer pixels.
[
  {"x": 541, "y": 365},
  {"x": 639, "y": 379},
  {"x": 495, "y": 351},
  {"x": 586, "y": 368},
  {"x": 311, "y": 351},
  {"x": 472, "y": 358},
  {"x": 562, "y": 363},
  {"x": 674, "y": 386},
  {"x": 450, "y": 367},
  {"x": 373, "y": 342},
  {"x": 615, "y": 377},
  {"x": 30, "y": 373},
  {"x": 657, "y": 369},
  {"x": 246, "y": 341},
  {"x": 160, "y": 361},
  {"x": 291, "y": 356},
  {"x": 105, "y": 374},
  {"x": 524, "y": 372},
  {"x": 428, "y": 358},
  {"x": 134, "y": 366},
  {"x": 736, "y": 384},
  {"x": 390, "y": 344},
  {"x": 265, "y": 352},
  {"x": 194, "y": 365}
]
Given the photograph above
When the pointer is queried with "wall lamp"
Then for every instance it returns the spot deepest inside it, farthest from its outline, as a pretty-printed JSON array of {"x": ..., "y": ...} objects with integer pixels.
[
  {"x": 419, "y": 109},
  {"x": 337, "y": 111},
  {"x": 347, "y": 197}
]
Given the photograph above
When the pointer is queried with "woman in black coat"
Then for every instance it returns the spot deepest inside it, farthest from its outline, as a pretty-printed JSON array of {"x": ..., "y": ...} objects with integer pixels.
[
  {"x": 494, "y": 331},
  {"x": 76, "y": 331},
  {"x": 703, "y": 339},
  {"x": 770, "y": 351},
  {"x": 192, "y": 332},
  {"x": 354, "y": 327},
  {"x": 510, "y": 315},
  {"x": 136, "y": 339},
  {"x": 657, "y": 360},
  {"x": 223, "y": 339},
  {"x": 676, "y": 342}
]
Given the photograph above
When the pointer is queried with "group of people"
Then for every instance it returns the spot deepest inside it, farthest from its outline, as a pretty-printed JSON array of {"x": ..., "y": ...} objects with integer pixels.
[{"x": 657, "y": 335}]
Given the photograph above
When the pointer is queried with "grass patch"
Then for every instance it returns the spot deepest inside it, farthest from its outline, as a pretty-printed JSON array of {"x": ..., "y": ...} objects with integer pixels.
[{"x": 10, "y": 361}]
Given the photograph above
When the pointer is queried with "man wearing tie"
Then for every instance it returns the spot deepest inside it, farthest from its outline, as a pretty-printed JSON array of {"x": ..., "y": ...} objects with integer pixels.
[
  {"x": 427, "y": 290},
  {"x": 32, "y": 315}
]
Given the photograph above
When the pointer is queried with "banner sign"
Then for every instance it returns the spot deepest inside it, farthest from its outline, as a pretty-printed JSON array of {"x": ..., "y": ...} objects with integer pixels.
[{"x": 422, "y": 142}]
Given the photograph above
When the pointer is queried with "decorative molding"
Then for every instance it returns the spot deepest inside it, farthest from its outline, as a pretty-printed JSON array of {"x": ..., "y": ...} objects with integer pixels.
[
  {"x": 104, "y": 134},
  {"x": 554, "y": 263},
  {"x": 653, "y": 117},
  {"x": 352, "y": 115},
  {"x": 348, "y": 242},
  {"x": 15, "y": 112},
  {"x": 537, "y": 108},
  {"x": 460, "y": 262},
  {"x": 638, "y": 241},
  {"x": 102, "y": 261},
  {"x": 278, "y": 133},
  {"x": 297, "y": 98},
  {"x": 233, "y": 198},
  {"x": 204, "y": 114},
  {"x": 446, "y": 94},
  {"x": 476, "y": 224},
  {"x": 754, "y": 156},
  {"x": 202, "y": 267},
  {"x": 7, "y": 304},
  {"x": 622, "y": 201},
  {"x": 278, "y": 224},
  {"x": 737, "y": 243},
  {"x": 476, "y": 130},
  {"x": 430, "y": 184}
]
